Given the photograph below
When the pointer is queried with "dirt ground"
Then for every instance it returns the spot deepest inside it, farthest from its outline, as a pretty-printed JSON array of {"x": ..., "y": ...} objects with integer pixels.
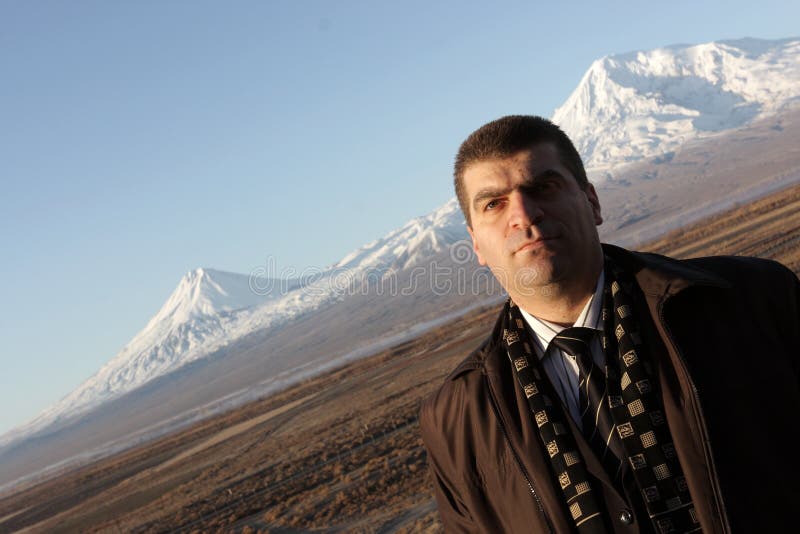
[{"x": 338, "y": 453}]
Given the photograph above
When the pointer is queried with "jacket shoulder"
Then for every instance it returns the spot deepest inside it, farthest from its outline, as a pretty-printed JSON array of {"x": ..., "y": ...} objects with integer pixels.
[
  {"x": 723, "y": 271},
  {"x": 735, "y": 268},
  {"x": 450, "y": 395}
]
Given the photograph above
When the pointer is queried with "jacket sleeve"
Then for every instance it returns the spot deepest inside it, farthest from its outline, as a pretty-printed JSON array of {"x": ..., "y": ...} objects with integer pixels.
[
  {"x": 783, "y": 288},
  {"x": 796, "y": 362},
  {"x": 788, "y": 311},
  {"x": 451, "y": 486}
]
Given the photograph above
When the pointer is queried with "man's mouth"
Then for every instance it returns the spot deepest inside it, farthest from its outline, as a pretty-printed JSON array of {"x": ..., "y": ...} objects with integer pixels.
[{"x": 532, "y": 244}]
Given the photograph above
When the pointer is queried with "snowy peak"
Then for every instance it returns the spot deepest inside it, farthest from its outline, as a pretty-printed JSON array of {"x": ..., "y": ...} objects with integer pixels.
[
  {"x": 417, "y": 239},
  {"x": 631, "y": 106},
  {"x": 205, "y": 292}
]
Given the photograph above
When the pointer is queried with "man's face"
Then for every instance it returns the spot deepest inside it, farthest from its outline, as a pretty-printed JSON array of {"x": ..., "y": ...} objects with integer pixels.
[{"x": 532, "y": 224}]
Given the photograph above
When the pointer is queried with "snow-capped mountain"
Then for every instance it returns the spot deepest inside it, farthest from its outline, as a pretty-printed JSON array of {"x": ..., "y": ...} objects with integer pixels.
[
  {"x": 197, "y": 313},
  {"x": 626, "y": 108},
  {"x": 210, "y": 308},
  {"x": 631, "y": 106}
]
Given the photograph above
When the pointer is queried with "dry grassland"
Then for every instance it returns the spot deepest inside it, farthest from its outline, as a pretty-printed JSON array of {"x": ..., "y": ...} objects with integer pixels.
[{"x": 339, "y": 453}]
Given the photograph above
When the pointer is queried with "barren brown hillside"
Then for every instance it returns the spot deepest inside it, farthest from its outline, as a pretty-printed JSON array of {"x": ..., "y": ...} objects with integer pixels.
[{"x": 339, "y": 453}]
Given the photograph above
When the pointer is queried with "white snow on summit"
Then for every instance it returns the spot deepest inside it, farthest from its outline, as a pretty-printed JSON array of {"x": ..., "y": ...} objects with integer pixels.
[
  {"x": 631, "y": 106},
  {"x": 206, "y": 292}
]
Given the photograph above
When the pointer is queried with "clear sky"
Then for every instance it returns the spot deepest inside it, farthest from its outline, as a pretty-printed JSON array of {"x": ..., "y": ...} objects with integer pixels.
[{"x": 140, "y": 140}]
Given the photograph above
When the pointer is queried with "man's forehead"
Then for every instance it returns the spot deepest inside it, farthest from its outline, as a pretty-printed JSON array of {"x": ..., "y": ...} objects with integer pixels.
[{"x": 527, "y": 162}]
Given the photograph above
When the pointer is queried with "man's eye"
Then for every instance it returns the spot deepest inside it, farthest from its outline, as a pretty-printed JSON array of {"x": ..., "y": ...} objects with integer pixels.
[{"x": 492, "y": 204}]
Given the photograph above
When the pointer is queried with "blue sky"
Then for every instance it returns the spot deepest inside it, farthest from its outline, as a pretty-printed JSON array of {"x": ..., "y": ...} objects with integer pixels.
[{"x": 140, "y": 140}]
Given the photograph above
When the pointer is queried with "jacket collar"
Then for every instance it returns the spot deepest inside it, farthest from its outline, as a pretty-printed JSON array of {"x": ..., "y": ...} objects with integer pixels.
[{"x": 658, "y": 276}]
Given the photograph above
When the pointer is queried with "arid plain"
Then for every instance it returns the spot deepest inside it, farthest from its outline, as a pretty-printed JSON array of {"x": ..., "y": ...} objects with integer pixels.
[{"x": 339, "y": 453}]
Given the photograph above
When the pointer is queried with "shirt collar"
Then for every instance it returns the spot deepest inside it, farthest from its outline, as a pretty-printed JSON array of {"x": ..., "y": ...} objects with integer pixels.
[{"x": 590, "y": 317}]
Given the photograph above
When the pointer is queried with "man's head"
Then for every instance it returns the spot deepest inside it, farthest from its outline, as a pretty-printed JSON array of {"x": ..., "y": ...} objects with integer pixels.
[
  {"x": 532, "y": 220},
  {"x": 505, "y": 137}
]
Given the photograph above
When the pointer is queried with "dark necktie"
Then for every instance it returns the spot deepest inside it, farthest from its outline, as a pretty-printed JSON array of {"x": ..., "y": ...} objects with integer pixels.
[{"x": 598, "y": 427}]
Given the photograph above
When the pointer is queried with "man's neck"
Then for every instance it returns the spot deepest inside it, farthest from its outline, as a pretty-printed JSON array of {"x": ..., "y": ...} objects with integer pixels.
[{"x": 557, "y": 304}]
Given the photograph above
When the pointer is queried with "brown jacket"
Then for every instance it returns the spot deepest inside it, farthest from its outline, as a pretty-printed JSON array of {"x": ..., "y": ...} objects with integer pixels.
[{"x": 725, "y": 334}]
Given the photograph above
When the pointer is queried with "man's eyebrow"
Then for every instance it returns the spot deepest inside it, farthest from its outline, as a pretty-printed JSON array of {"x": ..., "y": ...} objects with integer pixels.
[
  {"x": 489, "y": 192},
  {"x": 547, "y": 173},
  {"x": 542, "y": 175}
]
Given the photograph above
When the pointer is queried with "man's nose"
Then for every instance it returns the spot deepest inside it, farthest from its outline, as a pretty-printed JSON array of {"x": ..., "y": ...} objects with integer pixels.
[{"x": 523, "y": 210}]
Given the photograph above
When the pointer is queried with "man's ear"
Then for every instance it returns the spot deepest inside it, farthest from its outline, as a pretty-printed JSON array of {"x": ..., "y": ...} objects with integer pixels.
[
  {"x": 475, "y": 246},
  {"x": 591, "y": 196}
]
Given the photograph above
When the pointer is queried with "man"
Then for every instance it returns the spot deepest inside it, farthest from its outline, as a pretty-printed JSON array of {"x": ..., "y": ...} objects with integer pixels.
[{"x": 619, "y": 391}]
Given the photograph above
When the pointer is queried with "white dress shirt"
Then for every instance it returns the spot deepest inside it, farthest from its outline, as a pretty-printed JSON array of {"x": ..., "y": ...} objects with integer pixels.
[{"x": 562, "y": 368}]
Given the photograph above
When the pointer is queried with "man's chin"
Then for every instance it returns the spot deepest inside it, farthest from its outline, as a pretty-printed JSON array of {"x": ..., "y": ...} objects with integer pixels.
[{"x": 530, "y": 280}]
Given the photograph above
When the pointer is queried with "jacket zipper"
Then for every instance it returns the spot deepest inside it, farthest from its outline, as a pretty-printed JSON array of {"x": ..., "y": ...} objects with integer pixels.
[
  {"x": 706, "y": 441},
  {"x": 521, "y": 467}
]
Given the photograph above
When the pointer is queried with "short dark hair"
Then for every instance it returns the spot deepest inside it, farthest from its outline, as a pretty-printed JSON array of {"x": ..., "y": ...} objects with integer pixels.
[{"x": 505, "y": 137}]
